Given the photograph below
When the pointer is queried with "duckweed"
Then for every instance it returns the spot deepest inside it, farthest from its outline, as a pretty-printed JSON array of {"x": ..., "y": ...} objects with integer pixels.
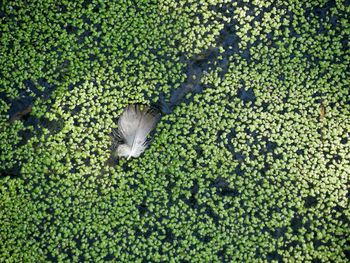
[{"x": 250, "y": 163}]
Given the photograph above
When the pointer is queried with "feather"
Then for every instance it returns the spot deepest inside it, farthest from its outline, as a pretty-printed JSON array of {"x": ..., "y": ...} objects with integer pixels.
[{"x": 134, "y": 126}]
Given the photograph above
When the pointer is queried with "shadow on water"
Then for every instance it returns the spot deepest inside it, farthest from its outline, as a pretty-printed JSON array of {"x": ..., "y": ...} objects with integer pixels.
[
  {"x": 200, "y": 64},
  {"x": 20, "y": 109}
]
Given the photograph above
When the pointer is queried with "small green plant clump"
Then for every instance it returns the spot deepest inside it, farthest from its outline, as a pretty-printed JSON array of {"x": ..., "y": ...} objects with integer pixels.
[{"x": 252, "y": 166}]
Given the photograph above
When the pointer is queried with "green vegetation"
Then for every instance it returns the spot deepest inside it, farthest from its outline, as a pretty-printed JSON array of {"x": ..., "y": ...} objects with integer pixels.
[{"x": 253, "y": 165}]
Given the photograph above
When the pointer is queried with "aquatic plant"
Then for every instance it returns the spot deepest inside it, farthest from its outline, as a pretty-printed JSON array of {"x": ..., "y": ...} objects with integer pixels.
[{"x": 250, "y": 163}]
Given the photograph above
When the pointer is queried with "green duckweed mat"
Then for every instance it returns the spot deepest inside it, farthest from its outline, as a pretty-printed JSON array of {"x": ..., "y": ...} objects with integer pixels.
[{"x": 250, "y": 161}]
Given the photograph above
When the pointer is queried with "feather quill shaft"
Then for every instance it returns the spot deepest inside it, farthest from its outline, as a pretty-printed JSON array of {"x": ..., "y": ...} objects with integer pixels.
[{"x": 134, "y": 127}]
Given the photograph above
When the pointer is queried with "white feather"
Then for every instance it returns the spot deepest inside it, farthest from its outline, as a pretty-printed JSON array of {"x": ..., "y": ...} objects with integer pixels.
[{"x": 134, "y": 126}]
